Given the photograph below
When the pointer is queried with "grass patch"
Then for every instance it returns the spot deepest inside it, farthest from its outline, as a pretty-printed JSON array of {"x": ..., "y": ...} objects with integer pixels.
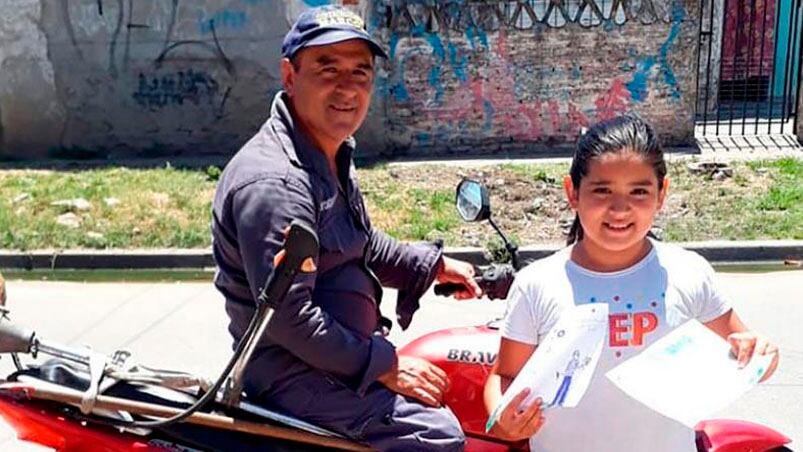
[
  {"x": 170, "y": 208},
  {"x": 787, "y": 192},
  {"x": 551, "y": 174},
  {"x": 764, "y": 200},
  {"x": 126, "y": 208},
  {"x": 412, "y": 213},
  {"x": 782, "y": 204}
]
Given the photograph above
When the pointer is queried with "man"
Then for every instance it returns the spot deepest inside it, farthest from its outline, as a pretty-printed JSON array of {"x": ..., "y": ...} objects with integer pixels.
[{"x": 322, "y": 359}]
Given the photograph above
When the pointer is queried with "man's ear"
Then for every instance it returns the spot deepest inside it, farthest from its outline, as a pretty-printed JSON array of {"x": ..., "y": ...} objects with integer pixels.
[
  {"x": 288, "y": 76},
  {"x": 571, "y": 191}
]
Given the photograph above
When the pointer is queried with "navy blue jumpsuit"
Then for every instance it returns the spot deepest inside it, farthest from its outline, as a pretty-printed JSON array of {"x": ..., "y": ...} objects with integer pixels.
[{"x": 324, "y": 349}]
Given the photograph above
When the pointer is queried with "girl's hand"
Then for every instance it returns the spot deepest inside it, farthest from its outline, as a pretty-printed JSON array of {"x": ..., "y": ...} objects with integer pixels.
[
  {"x": 747, "y": 344},
  {"x": 515, "y": 425}
]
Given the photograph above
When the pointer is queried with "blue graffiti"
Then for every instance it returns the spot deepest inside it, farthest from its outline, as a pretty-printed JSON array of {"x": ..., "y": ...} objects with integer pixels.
[
  {"x": 222, "y": 19},
  {"x": 678, "y": 14},
  {"x": 434, "y": 81},
  {"x": 489, "y": 113},
  {"x": 470, "y": 36},
  {"x": 638, "y": 86},
  {"x": 314, "y": 3},
  {"x": 456, "y": 61},
  {"x": 483, "y": 38},
  {"x": 398, "y": 89},
  {"x": 437, "y": 46},
  {"x": 475, "y": 33},
  {"x": 438, "y": 51},
  {"x": 450, "y": 53},
  {"x": 459, "y": 66},
  {"x": 392, "y": 43}
]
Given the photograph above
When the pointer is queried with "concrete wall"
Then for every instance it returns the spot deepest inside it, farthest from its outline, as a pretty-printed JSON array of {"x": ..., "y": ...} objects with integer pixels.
[
  {"x": 137, "y": 77},
  {"x": 31, "y": 115},
  {"x": 110, "y": 78}
]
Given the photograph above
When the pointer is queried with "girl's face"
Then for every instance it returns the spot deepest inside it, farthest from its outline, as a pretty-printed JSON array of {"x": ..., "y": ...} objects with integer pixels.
[{"x": 617, "y": 201}]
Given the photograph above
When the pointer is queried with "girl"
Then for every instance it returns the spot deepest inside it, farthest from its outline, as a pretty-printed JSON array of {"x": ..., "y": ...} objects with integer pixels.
[{"x": 617, "y": 184}]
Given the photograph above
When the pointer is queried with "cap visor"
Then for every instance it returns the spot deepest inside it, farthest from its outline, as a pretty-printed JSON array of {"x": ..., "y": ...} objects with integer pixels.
[{"x": 335, "y": 36}]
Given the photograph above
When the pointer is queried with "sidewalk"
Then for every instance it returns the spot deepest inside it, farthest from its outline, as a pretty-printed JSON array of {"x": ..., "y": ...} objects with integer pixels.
[{"x": 709, "y": 148}]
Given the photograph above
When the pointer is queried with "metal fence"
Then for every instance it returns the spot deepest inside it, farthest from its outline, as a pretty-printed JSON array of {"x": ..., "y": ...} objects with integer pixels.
[{"x": 748, "y": 66}]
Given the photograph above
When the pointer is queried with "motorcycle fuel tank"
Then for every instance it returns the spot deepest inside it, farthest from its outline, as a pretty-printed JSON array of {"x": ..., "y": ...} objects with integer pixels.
[{"x": 466, "y": 355}]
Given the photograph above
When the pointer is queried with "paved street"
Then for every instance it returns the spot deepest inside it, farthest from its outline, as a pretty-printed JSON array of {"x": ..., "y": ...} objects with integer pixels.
[{"x": 182, "y": 326}]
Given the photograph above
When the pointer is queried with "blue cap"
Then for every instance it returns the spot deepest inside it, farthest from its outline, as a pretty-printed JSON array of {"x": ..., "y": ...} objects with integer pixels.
[{"x": 327, "y": 25}]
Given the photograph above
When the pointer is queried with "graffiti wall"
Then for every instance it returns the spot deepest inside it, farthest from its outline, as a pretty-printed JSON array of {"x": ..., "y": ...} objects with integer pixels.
[
  {"x": 495, "y": 76},
  {"x": 109, "y": 78},
  {"x": 140, "y": 77},
  {"x": 162, "y": 76}
]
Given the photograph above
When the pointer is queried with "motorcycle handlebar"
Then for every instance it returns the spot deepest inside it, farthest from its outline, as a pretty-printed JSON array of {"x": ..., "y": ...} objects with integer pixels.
[
  {"x": 494, "y": 280},
  {"x": 447, "y": 289},
  {"x": 15, "y": 339}
]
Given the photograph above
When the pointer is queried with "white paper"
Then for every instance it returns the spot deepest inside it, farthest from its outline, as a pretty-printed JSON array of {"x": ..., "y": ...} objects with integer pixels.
[
  {"x": 560, "y": 369},
  {"x": 688, "y": 374}
]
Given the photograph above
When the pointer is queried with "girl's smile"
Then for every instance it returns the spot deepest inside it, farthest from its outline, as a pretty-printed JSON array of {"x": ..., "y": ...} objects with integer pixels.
[{"x": 618, "y": 228}]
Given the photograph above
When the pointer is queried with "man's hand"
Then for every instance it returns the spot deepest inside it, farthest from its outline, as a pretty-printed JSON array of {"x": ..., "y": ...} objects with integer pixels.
[
  {"x": 459, "y": 272},
  {"x": 747, "y": 344},
  {"x": 417, "y": 378}
]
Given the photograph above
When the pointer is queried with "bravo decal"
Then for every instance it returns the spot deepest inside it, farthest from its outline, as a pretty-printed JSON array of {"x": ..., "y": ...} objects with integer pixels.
[{"x": 471, "y": 357}]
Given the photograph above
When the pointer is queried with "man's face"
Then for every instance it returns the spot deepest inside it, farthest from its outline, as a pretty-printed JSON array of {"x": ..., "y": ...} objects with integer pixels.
[{"x": 330, "y": 89}]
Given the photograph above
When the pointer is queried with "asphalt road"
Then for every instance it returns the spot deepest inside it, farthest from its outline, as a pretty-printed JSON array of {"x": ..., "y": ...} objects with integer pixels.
[{"x": 183, "y": 326}]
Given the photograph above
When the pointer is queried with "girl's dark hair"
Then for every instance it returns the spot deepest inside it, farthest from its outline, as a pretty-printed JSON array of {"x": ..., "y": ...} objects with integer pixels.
[{"x": 628, "y": 133}]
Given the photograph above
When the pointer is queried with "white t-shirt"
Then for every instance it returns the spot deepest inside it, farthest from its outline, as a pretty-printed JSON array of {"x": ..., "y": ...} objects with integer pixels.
[{"x": 646, "y": 301}]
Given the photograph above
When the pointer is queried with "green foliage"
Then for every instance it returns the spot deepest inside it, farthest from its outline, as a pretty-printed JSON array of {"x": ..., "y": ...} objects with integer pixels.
[
  {"x": 497, "y": 252},
  {"x": 128, "y": 208},
  {"x": 551, "y": 174},
  {"x": 213, "y": 173},
  {"x": 426, "y": 214}
]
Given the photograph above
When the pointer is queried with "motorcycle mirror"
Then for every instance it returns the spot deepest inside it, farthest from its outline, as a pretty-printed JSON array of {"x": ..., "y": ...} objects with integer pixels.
[{"x": 472, "y": 201}]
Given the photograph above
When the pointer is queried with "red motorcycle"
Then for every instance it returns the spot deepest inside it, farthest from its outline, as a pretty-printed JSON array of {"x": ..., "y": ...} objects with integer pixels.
[{"x": 83, "y": 401}]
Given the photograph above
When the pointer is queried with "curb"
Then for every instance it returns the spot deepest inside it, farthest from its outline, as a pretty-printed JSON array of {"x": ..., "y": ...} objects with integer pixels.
[
  {"x": 720, "y": 252},
  {"x": 106, "y": 259},
  {"x": 713, "y": 251}
]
